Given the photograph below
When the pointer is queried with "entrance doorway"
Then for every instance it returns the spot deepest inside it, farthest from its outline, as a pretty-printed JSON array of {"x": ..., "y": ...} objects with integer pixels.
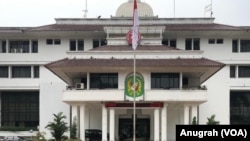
[{"x": 126, "y": 128}]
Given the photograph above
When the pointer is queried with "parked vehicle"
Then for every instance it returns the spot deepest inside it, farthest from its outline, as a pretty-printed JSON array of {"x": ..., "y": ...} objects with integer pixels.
[
  {"x": 93, "y": 134},
  {"x": 13, "y": 138}
]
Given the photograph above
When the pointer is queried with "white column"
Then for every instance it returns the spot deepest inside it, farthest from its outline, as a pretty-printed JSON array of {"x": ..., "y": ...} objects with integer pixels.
[
  {"x": 194, "y": 112},
  {"x": 82, "y": 122},
  {"x": 74, "y": 116},
  {"x": 164, "y": 122},
  {"x": 180, "y": 83},
  {"x": 104, "y": 123},
  {"x": 112, "y": 125},
  {"x": 88, "y": 81},
  {"x": 156, "y": 124},
  {"x": 186, "y": 114}
]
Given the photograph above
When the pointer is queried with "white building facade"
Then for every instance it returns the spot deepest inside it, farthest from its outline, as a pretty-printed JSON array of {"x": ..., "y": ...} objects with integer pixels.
[{"x": 185, "y": 68}]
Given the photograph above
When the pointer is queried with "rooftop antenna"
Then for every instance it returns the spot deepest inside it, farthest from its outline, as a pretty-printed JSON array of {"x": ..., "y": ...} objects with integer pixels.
[
  {"x": 209, "y": 8},
  {"x": 86, "y": 9}
]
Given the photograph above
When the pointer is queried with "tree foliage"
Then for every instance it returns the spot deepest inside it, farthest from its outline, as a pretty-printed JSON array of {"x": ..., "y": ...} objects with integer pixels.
[
  {"x": 212, "y": 121},
  {"x": 58, "y": 127}
]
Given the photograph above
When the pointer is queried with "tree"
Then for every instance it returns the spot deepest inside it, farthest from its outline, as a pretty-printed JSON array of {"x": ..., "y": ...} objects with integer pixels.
[
  {"x": 212, "y": 121},
  {"x": 58, "y": 127},
  {"x": 194, "y": 121},
  {"x": 73, "y": 129}
]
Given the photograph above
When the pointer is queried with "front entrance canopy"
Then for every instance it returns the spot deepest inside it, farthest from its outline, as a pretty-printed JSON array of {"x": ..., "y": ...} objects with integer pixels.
[{"x": 67, "y": 68}]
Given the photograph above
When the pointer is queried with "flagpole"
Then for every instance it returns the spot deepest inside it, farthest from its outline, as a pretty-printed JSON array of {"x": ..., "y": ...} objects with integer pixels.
[
  {"x": 135, "y": 40},
  {"x": 134, "y": 104}
]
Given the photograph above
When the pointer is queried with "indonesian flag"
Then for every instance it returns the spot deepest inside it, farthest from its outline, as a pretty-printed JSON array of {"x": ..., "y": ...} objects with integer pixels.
[{"x": 135, "y": 33}]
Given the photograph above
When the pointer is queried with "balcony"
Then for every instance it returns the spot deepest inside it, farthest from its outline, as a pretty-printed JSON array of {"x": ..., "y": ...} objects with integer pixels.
[{"x": 72, "y": 96}]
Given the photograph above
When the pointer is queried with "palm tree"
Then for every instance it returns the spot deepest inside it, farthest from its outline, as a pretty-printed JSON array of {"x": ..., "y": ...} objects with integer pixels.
[
  {"x": 58, "y": 127},
  {"x": 212, "y": 121}
]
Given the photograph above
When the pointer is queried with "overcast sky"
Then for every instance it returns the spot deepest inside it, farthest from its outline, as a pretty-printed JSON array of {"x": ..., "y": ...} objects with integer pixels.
[{"x": 42, "y": 12}]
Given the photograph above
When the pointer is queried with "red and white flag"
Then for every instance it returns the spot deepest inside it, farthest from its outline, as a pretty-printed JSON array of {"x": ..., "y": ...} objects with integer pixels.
[{"x": 135, "y": 33}]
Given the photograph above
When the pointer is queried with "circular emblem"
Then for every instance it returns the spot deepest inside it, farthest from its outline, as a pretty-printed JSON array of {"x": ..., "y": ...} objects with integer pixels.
[
  {"x": 129, "y": 37},
  {"x": 137, "y": 87}
]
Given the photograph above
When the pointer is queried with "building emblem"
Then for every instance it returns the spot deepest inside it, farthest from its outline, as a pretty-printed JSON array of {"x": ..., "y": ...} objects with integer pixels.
[
  {"x": 136, "y": 88},
  {"x": 129, "y": 37}
]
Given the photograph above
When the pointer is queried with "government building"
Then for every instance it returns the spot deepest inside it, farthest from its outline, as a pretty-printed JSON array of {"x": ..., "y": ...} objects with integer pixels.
[{"x": 185, "y": 69}]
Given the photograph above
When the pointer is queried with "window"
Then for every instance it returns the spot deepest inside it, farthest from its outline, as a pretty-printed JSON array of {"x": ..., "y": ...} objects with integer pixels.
[
  {"x": 192, "y": 44},
  {"x": 21, "y": 72},
  {"x": 240, "y": 45},
  {"x": 165, "y": 80},
  {"x": 215, "y": 41},
  {"x": 211, "y": 41},
  {"x": 99, "y": 42},
  {"x": 4, "y": 71},
  {"x": 34, "y": 47},
  {"x": 244, "y": 71},
  {"x": 53, "y": 41},
  {"x": 36, "y": 72},
  {"x": 76, "y": 45},
  {"x": 239, "y": 107},
  {"x": 245, "y": 45},
  {"x": 235, "y": 47},
  {"x": 103, "y": 80},
  {"x": 3, "y": 47},
  {"x": 219, "y": 41},
  {"x": 19, "y": 47},
  {"x": 49, "y": 41},
  {"x": 20, "y": 109},
  {"x": 232, "y": 71},
  {"x": 57, "y": 41},
  {"x": 169, "y": 42}
]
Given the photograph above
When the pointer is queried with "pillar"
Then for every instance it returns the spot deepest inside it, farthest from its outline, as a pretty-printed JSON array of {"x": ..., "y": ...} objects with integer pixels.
[
  {"x": 82, "y": 122},
  {"x": 194, "y": 112},
  {"x": 74, "y": 118},
  {"x": 112, "y": 125},
  {"x": 156, "y": 124},
  {"x": 104, "y": 123},
  {"x": 186, "y": 114},
  {"x": 164, "y": 122}
]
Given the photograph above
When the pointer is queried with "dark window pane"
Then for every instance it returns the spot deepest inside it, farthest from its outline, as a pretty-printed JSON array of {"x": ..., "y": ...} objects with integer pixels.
[
  {"x": 165, "y": 42},
  {"x": 80, "y": 45},
  {"x": 232, "y": 71},
  {"x": 188, "y": 44},
  {"x": 34, "y": 47},
  {"x": 21, "y": 72},
  {"x": 3, "y": 47},
  {"x": 57, "y": 41},
  {"x": 165, "y": 80},
  {"x": 173, "y": 42},
  {"x": 239, "y": 107},
  {"x": 244, "y": 71},
  {"x": 49, "y": 41},
  {"x": 219, "y": 41},
  {"x": 4, "y": 72},
  {"x": 196, "y": 44},
  {"x": 95, "y": 43},
  {"x": 245, "y": 45},
  {"x": 72, "y": 45},
  {"x": 103, "y": 80},
  {"x": 36, "y": 72},
  {"x": 103, "y": 42},
  {"x": 235, "y": 46},
  {"x": 20, "y": 109},
  {"x": 211, "y": 41}
]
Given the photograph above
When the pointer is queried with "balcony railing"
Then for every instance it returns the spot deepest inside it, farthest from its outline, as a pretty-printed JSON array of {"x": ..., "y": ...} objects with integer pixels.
[{"x": 192, "y": 94}]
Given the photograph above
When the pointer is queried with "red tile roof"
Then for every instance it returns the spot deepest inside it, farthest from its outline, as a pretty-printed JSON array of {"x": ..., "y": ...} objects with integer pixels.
[
  {"x": 168, "y": 27},
  {"x": 129, "y": 48},
  {"x": 180, "y": 62}
]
